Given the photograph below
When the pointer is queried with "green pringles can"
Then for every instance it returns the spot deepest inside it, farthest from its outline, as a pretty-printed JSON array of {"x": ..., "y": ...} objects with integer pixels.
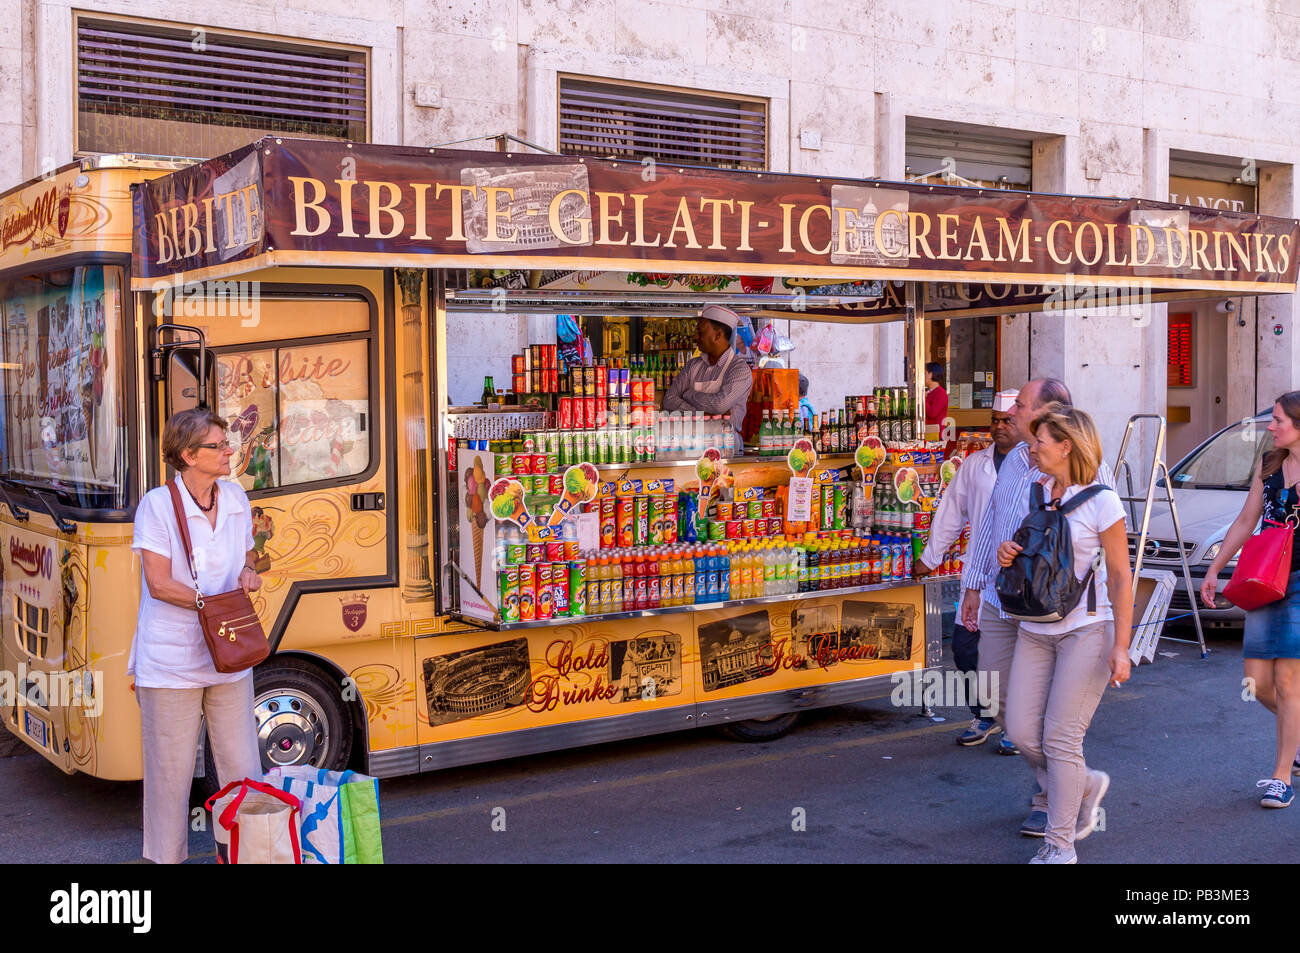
[
  {"x": 717, "y": 531},
  {"x": 509, "y": 583},
  {"x": 503, "y": 464},
  {"x": 840, "y": 509},
  {"x": 577, "y": 588}
]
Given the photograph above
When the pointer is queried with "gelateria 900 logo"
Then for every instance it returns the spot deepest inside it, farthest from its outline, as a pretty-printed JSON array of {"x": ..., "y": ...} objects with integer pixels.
[
  {"x": 22, "y": 222},
  {"x": 31, "y": 558}
]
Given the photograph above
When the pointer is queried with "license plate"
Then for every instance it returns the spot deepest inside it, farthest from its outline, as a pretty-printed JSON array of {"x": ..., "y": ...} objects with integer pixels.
[{"x": 35, "y": 728}]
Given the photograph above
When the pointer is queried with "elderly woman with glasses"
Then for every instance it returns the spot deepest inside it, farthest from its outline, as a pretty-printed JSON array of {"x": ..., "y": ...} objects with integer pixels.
[{"x": 176, "y": 684}]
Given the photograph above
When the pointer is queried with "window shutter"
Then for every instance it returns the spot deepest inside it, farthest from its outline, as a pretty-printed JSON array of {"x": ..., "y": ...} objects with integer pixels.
[
  {"x": 980, "y": 156},
  {"x": 612, "y": 120},
  {"x": 213, "y": 79}
]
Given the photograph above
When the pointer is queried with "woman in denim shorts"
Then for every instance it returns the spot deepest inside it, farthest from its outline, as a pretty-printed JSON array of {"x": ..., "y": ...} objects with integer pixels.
[{"x": 1271, "y": 644}]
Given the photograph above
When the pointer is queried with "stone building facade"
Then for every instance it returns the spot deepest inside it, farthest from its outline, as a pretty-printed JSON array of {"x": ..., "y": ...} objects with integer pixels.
[{"x": 1106, "y": 95}]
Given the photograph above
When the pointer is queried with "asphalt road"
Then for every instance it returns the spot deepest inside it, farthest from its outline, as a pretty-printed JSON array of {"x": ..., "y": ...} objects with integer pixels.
[{"x": 870, "y": 782}]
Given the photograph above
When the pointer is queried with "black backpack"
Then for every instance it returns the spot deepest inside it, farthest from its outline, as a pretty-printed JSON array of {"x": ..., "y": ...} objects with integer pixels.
[{"x": 1040, "y": 585}]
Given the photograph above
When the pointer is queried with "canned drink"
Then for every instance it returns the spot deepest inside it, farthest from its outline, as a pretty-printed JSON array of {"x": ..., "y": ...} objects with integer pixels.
[
  {"x": 560, "y": 589},
  {"x": 529, "y": 440},
  {"x": 656, "y": 521},
  {"x": 602, "y": 447},
  {"x": 509, "y": 595},
  {"x": 623, "y": 522},
  {"x": 747, "y": 528},
  {"x": 589, "y": 411},
  {"x": 516, "y": 363},
  {"x": 732, "y": 529},
  {"x": 515, "y": 556},
  {"x": 568, "y": 449},
  {"x": 638, "y": 445},
  {"x": 670, "y": 520},
  {"x": 566, "y": 413},
  {"x": 769, "y": 507},
  {"x": 554, "y": 551},
  {"x": 620, "y": 453},
  {"x": 527, "y": 593},
  {"x": 602, "y": 382},
  {"x": 641, "y": 520},
  {"x": 607, "y": 532},
  {"x": 627, "y": 451}
]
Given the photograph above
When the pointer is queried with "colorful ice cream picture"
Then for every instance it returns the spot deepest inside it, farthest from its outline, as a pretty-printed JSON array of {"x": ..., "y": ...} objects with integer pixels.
[
  {"x": 948, "y": 471},
  {"x": 907, "y": 486},
  {"x": 802, "y": 457},
  {"x": 476, "y": 497},
  {"x": 706, "y": 468},
  {"x": 580, "y": 484},
  {"x": 869, "y": 455},
  {"x": 507, "y": 502}
]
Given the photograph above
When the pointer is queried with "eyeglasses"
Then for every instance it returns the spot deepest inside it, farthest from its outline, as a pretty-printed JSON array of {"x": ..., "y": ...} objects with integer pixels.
[{"x": 224, "y": 445}]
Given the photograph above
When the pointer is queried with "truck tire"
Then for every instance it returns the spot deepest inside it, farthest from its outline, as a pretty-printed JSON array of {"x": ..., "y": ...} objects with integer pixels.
[{"x": 762, "y": 729}]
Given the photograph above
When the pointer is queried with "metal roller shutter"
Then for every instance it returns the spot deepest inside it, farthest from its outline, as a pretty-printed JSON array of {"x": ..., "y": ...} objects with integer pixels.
[
  {"x": 635, "y": 122},
  {"x": 1004, "y": 160}
]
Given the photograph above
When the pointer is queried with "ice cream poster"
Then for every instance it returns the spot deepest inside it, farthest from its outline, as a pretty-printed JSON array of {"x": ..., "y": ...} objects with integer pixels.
[
  {"x": 907, "y": 486},
  {"x": 869, "y": 455},
  {"x": 711, "y": 472},
  {"x": 801, "y": 459},
  {"x": 477, "y": 534},
  {"x": 580, "y": 483}
]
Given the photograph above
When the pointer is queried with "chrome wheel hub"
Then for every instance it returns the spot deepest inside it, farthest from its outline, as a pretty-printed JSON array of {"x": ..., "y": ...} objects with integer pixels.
[{"x": 290, "y": 728}]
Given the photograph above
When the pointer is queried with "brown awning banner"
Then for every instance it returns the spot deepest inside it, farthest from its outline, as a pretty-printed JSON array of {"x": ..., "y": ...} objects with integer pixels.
[{"x": 312, "y": 202}]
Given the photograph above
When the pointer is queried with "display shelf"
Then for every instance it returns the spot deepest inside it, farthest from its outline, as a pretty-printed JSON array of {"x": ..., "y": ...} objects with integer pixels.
[
  {"x": 707, "y": 606},
  {"x": 824, "y": 461}
]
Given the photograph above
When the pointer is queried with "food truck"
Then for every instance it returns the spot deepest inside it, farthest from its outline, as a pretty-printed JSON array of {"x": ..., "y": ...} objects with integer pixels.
[{"x": 567, "y": 562}]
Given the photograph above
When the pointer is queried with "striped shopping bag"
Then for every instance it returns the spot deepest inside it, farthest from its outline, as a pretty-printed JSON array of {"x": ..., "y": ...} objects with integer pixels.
[{"x": 339, "y": 821}]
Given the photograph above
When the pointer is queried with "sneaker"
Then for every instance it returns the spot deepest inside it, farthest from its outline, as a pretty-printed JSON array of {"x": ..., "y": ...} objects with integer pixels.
[
  {"x": 1094, "y": 790},
  {"x": 1006, "y": 747},
  {"x": 1035, "y": 824},
  {"x": 980, "y": 730},
  {"x": 1050, "y": 854},
  {"x": 1295, "y": 765},
  {"x": 1276, "y": 793}
]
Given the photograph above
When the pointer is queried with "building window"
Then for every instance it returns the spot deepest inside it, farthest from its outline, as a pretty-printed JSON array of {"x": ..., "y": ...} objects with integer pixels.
[
  {"x": 957, "y": 154},
  {"x": 198, "y": 92},
  {"x": 625, "y": 121}
]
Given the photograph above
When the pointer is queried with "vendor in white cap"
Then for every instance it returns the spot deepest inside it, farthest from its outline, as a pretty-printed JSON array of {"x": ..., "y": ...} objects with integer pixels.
[{"x": 718, "y": 381}]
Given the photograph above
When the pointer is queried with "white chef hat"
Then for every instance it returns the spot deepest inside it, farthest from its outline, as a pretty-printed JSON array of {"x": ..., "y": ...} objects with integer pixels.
[
  {"x": 716, "y": 312},
  {"x": 1004, "y": 400}
]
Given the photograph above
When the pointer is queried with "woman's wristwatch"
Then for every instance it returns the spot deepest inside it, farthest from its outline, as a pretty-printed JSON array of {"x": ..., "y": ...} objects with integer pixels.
[{"x": 252, "y": 569}]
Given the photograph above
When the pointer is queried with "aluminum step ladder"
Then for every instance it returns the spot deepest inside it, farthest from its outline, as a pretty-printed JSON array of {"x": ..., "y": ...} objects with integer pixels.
[{"x": 1158, "y": 470}]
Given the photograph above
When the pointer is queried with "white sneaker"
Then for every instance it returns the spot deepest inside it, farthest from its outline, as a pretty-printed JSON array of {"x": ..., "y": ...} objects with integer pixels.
[
  {"x": 1050, "y": 854},
  {"x": 1090, "y": 807}
]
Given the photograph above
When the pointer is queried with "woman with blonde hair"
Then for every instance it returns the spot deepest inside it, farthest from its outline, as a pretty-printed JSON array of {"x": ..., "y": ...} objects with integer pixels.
[
  {"x": 1271, "y": 641},
  {"x": 176, "y": 683},
  {"x": 1061, "y": 669}
]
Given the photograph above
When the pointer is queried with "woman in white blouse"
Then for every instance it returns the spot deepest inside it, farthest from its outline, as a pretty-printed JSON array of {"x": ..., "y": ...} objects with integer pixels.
[
  {"x": 1060, "y": 669},
  {"x": 176, "y": 683}
]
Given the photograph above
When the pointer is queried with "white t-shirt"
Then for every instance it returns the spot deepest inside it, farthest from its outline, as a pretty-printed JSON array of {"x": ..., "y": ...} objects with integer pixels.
[
  {"x": 1086, "y": 525},
  {"x": 168, "y": 650}
]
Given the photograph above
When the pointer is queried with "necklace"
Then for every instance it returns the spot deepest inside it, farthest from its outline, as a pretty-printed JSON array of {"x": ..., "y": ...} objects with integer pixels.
[{"x": 212, "y": 500}]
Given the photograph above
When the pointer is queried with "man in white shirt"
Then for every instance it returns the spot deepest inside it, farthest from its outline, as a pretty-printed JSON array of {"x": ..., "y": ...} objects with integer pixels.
[
  {"x": 963, "y": 504},
  {"x": 719, "y": 380}
]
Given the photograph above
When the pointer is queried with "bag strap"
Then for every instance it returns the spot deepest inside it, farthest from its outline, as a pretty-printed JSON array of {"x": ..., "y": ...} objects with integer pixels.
[
  {"x": 181, "y": 522},
  {"x": 228, "y": 815},
  {"x": 1036, "y": 501},
  {"x": 1083, "y": 496}
]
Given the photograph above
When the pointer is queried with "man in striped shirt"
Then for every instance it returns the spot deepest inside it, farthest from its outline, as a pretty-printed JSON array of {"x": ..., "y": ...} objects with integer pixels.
[
  {"x": 719, "y": 380},
  {"x": 1007, "y": 509}
]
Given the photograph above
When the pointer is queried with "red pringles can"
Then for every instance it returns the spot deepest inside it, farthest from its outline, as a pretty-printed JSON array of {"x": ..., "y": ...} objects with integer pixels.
[
  {"x": 544, "y": 594},
  {"x": 554, "y": 551},
  {"x": 527, "y": 593},
  {"x": 623, "y": 522},
  {"x": 559, "y": 589},
  {"x": 538, "y": 463},
  {"x": 555, "y": 484},
  {"x": 769, "y": 507},
  {"x": 608, "y": 534},
  {"x": 733, "y": 529},
  {"x": 566, "y": 413}
]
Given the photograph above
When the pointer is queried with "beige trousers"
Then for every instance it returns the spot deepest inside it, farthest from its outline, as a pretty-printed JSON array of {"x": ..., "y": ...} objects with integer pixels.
[
  {"x": 997, "y": 648},
  {"x": 170, "y": 719},
  {"x": 1056, "y": 684}
]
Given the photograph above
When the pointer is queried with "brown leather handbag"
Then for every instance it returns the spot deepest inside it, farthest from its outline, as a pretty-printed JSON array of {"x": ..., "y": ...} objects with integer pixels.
[{"x": 230, "y": 626}]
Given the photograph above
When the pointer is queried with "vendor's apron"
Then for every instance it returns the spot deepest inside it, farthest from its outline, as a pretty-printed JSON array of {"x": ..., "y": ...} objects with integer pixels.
[{"x": 713, "y": 386}]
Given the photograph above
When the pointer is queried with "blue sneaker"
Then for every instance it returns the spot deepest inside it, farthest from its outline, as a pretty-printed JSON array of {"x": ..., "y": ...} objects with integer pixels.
[
  {"x": 1276, "y": 793},
  {"x": 1006, "y": 747},
  {"x": 980, "y": 730},
  {"x": 1035, "y": 824}
]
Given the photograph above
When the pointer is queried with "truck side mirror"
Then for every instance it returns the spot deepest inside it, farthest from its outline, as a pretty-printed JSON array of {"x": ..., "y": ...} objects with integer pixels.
[{"x": 182, "y": 376}]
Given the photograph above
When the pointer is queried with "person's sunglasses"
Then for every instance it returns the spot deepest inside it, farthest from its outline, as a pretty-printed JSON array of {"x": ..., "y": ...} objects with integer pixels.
[{"x": 224, "y": 445}]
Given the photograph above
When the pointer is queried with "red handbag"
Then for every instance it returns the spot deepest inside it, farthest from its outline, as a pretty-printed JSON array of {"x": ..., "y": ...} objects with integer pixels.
[{"x": 1262, "y": 568}]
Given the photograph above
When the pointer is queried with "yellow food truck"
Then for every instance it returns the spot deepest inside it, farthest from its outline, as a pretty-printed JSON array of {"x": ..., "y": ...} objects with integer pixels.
[{"x": 302, "y": 289}]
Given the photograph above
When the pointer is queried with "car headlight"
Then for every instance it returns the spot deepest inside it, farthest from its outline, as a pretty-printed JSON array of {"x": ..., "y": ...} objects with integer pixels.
[{"x": 1213, "y": 551}]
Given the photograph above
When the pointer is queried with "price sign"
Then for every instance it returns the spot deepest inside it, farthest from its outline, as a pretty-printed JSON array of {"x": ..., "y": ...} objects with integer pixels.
[{"x": 1181, "y": 350}]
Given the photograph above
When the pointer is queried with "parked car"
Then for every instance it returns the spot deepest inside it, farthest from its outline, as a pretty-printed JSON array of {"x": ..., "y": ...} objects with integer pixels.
[{"x": 1210, "y": 487}]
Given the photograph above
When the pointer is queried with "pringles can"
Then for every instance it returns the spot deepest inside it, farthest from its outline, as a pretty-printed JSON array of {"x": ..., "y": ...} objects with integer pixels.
[
  {"x": 545, "y": 606},
  {"x": 577, "y": 588},
  {"x": 560, "y": 589},
  {"x": 509, "y": 594},
  {"x": 527, "y": 593}
]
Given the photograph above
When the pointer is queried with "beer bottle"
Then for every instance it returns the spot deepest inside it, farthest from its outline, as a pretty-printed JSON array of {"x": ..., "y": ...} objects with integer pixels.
[{"x": 489, "y": 392}]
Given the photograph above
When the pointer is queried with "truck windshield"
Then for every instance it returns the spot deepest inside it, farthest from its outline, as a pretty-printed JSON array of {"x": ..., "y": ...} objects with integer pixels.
[
  {"x": 1228, "y": 462},
  {"x": 64, "y": 431}
]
